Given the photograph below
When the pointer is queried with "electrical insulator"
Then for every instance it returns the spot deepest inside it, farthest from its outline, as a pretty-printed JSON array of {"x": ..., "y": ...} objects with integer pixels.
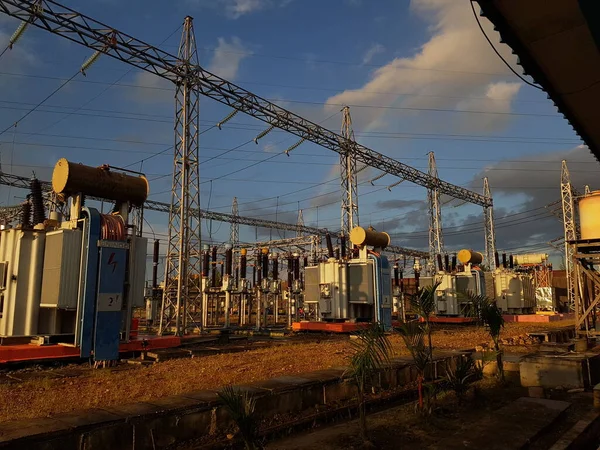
[
  {"x": 228, "y": 118},
  {"x": 389, "y": 188},
  {"x": 88, "y": 62},
  {"x": 378, "y": 177},
  {"x": 262, "y": 134},
  {"x": 18, "y": 33},
  {"x": 296, "y": 145}
]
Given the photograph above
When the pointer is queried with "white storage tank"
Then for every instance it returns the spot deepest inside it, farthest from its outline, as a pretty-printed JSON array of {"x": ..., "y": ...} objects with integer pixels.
[{"x": 21, "y": 262}]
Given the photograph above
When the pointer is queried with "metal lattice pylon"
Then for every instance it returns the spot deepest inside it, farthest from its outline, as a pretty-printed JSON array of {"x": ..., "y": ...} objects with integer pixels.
[
  {"x": 436, "y": 239},
  {"x": 182, "y": 293},
  {"x": 568, "y": 209},
  {"x": 348, "y": 177},
  {"x": 300, "y": 224},
  {"x": 234, "y": 236},
  {"x": 490, "y": 232}
]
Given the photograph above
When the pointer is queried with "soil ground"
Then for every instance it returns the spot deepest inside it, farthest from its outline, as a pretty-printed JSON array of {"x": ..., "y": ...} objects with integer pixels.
[
  {"x": 401, "y": 427},
  {"x": 43, "y": 396}
]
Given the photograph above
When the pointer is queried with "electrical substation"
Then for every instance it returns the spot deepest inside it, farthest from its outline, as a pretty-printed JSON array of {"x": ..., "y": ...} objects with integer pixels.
[{"x": 76, "y": 285}]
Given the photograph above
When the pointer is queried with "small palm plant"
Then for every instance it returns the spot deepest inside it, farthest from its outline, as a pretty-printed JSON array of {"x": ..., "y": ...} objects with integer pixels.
[
  {"x": 423, "y": 304},
  {"x": 241, "y": 405},
  {"x": 459, "y": 378},
  {"x": 488, "y": 314},
  {"x": 413, "y": 335},
  {"x": 372, "y": 351}
]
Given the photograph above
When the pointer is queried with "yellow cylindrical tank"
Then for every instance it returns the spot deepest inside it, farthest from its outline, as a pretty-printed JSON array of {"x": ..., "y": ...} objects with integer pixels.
[
  {"x": 470, "y": 257},
  {"x": 589, "y": 216},
  {"x": 379, "y": 239},
  {"x": 69, "y": 178}
]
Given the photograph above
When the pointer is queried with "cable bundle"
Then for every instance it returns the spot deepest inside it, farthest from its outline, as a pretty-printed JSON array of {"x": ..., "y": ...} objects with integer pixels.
[{"x": 112, "y": 228}]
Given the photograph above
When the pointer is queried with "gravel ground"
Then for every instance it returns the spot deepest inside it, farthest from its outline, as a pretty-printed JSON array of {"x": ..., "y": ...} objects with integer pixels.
[{"x": 45, "y": 396}]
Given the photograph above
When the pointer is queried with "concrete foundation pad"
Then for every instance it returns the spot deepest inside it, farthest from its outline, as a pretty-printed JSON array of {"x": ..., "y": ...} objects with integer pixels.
[
  {"x": 88, "y": 417},
  {"x": 514, "y": 426},
  {"x": 133, "y": 410},
  {"x": 15, "y": 430},
  {"x": 210, "y": 398},
  {"x": 567, "y": 370}
]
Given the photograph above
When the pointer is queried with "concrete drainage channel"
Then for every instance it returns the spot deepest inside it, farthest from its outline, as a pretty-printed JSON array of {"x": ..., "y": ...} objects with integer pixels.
[{"x": 161, "y": 423}]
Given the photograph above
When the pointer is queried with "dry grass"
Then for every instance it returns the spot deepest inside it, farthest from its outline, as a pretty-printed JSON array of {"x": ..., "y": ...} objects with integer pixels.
[{"x": 101, "y": 388}]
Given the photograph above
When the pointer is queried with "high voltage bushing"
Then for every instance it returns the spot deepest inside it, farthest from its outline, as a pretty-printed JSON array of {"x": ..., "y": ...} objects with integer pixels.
[
  {"x": 265, "y": 263},
  {"x": 243, "y": 263},
  {"x": 214, "y": 267},
  {"x": 439, "y": 261},
  {"x": 290, "y": 271},
  {"x": 296, "y": 267},
  {"x": 205, "y": 262},
  {"x": 229, "y": 261},
  {"x": 447, "y": 262},
  {"x": 275, "y": 268},
  {"x": 37, "y": 202},
  {"x": 496, "y": 259},
  {"x": 504, "y": 263},
  {"x": 453, "y": 262},
  {"x": 329, "y": 245},
  {"x": 155, "y": 253},
  {"x": 343, "y": 245}
]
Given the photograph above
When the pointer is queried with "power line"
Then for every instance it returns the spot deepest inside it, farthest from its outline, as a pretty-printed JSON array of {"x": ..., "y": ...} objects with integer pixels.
[{"x": 498, "y": 53}]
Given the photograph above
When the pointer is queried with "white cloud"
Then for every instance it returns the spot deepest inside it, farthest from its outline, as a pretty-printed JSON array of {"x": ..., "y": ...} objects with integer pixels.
[
  {"x": 227, "y": 58},
  {"x": 371, "y": 52},
  {"x": 440, "y": 73},
  {"x": 152, "y": 89},
  {"x": 235, "y": 9}
]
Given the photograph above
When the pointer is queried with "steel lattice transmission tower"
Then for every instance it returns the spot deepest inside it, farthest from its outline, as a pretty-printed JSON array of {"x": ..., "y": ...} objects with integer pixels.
[
  {"x": 436, "y": 239},
  {"x": 568, "y": 209},
  {"x": 234, "y": 230},
  {"x": 490, "y": 232},
  {"x": 348, "y": 176},
  {"x": 300, "y": 223},
  {"x": 234, "y": 235},
  {"x": 182, "y": 293}
]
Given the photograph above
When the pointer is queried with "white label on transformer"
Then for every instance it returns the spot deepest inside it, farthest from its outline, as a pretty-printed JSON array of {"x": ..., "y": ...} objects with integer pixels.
[{"x": 110, "y": 302}]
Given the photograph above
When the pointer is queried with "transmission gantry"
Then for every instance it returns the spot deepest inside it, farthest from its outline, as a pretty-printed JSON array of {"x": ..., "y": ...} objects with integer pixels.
[
  {"x": 182, "y": 292},
  {"x": 490, "y": 232},
  {"x": 570, "y": 227},
  {"x": 436, "y": 239},
  {"x": 348, "y": 177}
]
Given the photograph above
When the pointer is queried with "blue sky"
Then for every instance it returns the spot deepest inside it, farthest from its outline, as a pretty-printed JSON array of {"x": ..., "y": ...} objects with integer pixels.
[{"x": 408, "y": 71}]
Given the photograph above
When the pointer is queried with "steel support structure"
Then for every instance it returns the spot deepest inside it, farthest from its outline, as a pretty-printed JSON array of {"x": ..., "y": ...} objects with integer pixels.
[
  {"x": 234, "y": 237},
  {"x": 182, "y": 292},
  {"x": 84, "y": 30},
  {"x": 151, "y": 205},
  {"x": 436, "y": 239},
  {"x": 300, "y": 223},
  {"x": 348, "y": 177},
  {"x": 570, "y": 228},
  {"x": 490, "y": 232}
]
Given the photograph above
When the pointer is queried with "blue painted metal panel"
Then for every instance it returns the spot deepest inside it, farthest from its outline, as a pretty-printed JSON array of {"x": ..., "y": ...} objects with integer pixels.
[
  {"x": 383, "y": 291},
  {"x": 90, "y": 277},
  {"x": 111, "y": 280}
]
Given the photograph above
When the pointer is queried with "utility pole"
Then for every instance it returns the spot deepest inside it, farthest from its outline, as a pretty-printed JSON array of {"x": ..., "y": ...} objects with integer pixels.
[
  {"x": 568, "y": 208},
  {"x": 490, "y": 232},
  {"x": 348, "y": 177},
  {"x": 436, "y": 239},
  {"x": 182, "y": 294}
]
